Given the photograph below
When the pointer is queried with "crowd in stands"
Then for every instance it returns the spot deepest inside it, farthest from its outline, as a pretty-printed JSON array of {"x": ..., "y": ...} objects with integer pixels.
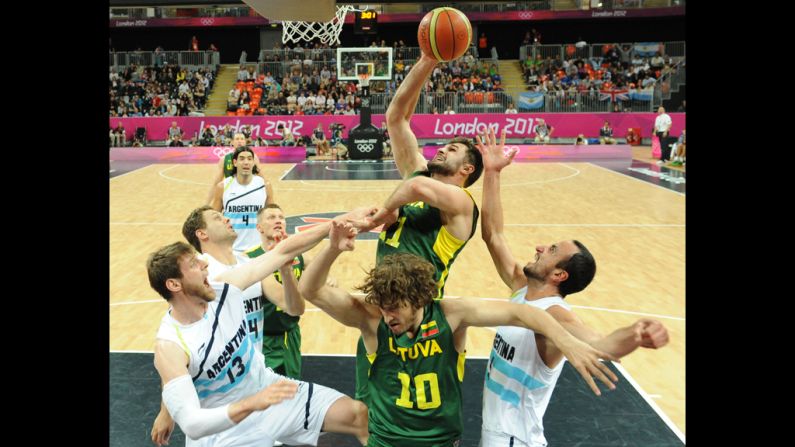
[
  {"x": 159, "y": 90},
  {"x": 309, "y": 84},
  {"x": 618, "y": 69}
]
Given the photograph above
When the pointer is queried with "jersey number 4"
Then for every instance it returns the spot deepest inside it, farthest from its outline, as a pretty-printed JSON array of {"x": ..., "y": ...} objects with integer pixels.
[{"x": 419, "y": 385}]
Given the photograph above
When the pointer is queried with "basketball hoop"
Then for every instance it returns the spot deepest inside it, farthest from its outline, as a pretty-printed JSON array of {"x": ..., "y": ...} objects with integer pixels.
[
  {"x": 364, "y": 79},
  {"x": 327, "y": 32},
  {"x": 364, "y": 84}
]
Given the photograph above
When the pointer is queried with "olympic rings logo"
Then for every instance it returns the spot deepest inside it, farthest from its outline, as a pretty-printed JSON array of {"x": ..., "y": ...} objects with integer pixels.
[
  {"x": 365, "y": 147},
  {"x": 525, "y": 15},
  {"x": 221, "y": 152},
  {"x": 208, "y": 22}
]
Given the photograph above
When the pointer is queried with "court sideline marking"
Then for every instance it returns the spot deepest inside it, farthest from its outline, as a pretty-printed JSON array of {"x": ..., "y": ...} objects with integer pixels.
[
  {"x": 639, "y": 180},
  {"x": 647, "y": 397}
]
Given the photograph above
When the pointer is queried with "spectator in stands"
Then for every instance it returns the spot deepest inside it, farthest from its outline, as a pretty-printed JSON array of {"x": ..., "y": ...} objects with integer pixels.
[
  {"x": 606, "y": 134},
  {"x": 242, "y": 74},
  {"x": 657, "y": 62},
  {"x": 246, "y": 131},
  {"x": 207, "y": 137},
  {"x": 339, "y": 151},
  {"x": 319, "y": 140},
  {"x": 213, "y": 48},
  {"x": 199, "y": 93},
  {"x": 171, "y": 108},
  {"x": 543, "y": 131},
  {"x": 449, "y": 111},
  {"x": 194, "y": 44},
  {"x": 227, "y": 132},
  {"x": 681, "y": 107},
  {"x": 118, "y": 136},
  {"x": 174, "y": 133},
  {"x": 483, "y": 46},
  {"x": 581, "y": 140},
  {"x": 175, "y": 142},
  {"x": 288, "y": 139},
  {"x": 511, "y": 109}
]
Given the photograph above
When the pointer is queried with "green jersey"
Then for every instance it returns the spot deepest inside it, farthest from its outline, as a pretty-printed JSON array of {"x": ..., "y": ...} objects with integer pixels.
[
  {"x": 414, "y": 386},
  {"x": 228, "y": 165},
  {"x": 419, "y": 230},
  {"x": 277, "y": 322}
]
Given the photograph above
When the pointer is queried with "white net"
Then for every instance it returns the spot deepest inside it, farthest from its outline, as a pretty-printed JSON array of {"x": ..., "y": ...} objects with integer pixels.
[{"x": 326, "y": 32}]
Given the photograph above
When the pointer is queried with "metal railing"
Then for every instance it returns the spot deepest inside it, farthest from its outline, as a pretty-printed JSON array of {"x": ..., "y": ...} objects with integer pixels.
[
  {"x": 591, "y": 101},
  {"x": 471, "y": 102},
  {"x": 192, "y": 60},
  {"x": 674, "y": 49},
  {"x": 289, "y": 60},
  {"x": 330, "y": 54},
  {"x": 669, "y": 83}
]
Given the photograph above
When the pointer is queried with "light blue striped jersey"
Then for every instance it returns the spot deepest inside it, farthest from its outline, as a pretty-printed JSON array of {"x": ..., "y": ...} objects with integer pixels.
[
  {"x": 518, "y": 384},
  {"x": 241, "y": 203},
  {"x": 253, "y": 298},
  {"x": 224, "y": 363}
]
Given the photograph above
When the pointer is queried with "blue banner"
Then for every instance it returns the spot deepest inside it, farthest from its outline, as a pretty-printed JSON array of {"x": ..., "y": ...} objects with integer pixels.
[
  {"x": 641, "y": 95},
  {"x": 531, "y": 100},
  {"x": 647, "y": 49}
]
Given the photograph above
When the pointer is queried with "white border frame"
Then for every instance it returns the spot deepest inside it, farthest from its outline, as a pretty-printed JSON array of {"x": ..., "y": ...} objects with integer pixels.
[{"x": 341, "y": 50}]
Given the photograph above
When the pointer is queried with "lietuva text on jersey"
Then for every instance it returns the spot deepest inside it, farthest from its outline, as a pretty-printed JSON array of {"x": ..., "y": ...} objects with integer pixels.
[
  {"x": 427, "y": 349},
  {"x": 230, "y": 349},
  {"x": 502, "y": 348}
]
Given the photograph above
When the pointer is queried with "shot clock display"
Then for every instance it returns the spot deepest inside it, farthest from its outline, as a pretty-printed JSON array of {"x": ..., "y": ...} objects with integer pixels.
[{"x": 366, "y": 22}]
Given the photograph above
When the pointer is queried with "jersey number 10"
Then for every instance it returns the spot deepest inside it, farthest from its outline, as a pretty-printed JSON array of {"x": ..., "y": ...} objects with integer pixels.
[{"x": 419, "y": 384}]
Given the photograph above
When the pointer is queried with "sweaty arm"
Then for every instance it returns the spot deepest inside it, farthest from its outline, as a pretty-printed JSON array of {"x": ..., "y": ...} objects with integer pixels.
[
  {"x": 491, "y": 231},
  {"x": 219, "y": 176},
  {"x": 646, "y": 333},
  {"x": 217, "y": 201},
  {"x": 269, "y": 200},
  {"x": 452, "y": 200},
  {"x": 463, "y": 313},
  {"x": 336, "y": 302},
  {"x": 182, "y": 401},
  {"x": 408, "y": 158},
  {"x": 262, "y": 266},
  {"x": 286, "y": 295}
]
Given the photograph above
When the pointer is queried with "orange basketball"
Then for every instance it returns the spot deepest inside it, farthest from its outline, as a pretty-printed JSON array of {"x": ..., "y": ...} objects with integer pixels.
[{"x": 444, "y": 34}]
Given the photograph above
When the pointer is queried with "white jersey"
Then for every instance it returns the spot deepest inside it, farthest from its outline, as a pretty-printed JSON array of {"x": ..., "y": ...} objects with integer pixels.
[
  {"x": 518, "y": 384},
  {"x": 224, "y": 364},
  {"x": 241, "y": 204},
  {"x": 225, "y": 367},
  {"x": 253, "y": 298}
]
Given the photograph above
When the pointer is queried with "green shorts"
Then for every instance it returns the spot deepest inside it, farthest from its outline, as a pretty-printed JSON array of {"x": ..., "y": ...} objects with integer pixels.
[{"x": 283, "y": 352}]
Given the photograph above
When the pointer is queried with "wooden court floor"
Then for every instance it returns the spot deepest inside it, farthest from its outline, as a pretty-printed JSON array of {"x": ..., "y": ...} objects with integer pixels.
[{"x": 635, "y": 230}]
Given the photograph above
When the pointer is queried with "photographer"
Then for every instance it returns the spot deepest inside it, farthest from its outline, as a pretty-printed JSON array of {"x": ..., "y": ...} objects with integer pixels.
[
  {"x": 338, "y": 149},
  {"x": 319, "y": 140},
  {"x": 288, "y": 139}
]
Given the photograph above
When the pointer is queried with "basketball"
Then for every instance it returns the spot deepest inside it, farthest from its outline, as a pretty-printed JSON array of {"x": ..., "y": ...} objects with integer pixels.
[{"x": 444, "y": 34}]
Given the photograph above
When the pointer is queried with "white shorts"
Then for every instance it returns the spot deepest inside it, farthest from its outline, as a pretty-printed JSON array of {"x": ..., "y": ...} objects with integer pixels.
[
  {"x": 294, "y": 421},
  {"x": 493, "y": 439}
]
